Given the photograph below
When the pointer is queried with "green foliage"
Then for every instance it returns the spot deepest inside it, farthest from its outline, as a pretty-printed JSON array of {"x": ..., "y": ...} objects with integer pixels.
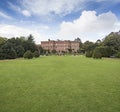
[
  {"x": 36, "y": 54},
  {"x": 7, "y": 51},
  {"x": 118, "y": 55},
  {"x": 19, "y": 51},
  {"x": 107, "y": 48},
  {"x": 29, "y": 46},
  {"x": 16, "y": 47},
  {"x": 30, "y": 38},
  {"x": 113, "y": 41},
  {"x": 26, "y": 43},
  {"x": 105, "y": 51},
  {"x": 89, "y": 54},
  {"x": 54, "y": 51},
  {"x": 28, "y": 55},
  {"x": 2, "y": 40},
  {"x": 41, "y": 50},
  {"x": 110, "y": 46},
  {"x": 97, "y": 54},
  {"x": 80, "y": 44},
  {"x": 88, "y": 46}
]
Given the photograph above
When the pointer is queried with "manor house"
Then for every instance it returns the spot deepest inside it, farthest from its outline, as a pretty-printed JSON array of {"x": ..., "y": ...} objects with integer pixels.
[{"x": 60, "y": 45}]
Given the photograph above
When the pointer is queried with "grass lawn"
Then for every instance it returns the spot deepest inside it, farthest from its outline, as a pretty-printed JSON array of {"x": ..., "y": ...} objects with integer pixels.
[{"x": 60, "y": 84}]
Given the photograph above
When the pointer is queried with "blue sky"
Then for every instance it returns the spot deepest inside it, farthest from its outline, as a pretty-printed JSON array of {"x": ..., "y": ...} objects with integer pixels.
[{"x": 59, "y": 19}]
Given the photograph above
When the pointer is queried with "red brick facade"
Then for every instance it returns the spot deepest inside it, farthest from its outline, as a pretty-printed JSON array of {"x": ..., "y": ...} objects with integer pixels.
[{"x": 60, "y": 46}]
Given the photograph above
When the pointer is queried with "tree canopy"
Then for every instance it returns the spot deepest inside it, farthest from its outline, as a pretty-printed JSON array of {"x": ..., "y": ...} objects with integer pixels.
[
  {"x": 109, "y": 46},
  {"x": 16, "y": 47}
]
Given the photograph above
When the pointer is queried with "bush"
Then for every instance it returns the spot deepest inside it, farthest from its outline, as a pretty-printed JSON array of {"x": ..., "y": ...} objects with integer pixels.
[
  {"x": 105, "y": 51},
  {"x": 118, "y": 55},
  {"x": 11, "y": 54},
  {"x": 54, "y": 51},
  {"x": 97, "y": 54},
  {"x": 89, "y": 53},
  {"x": 19, "y": 51},
  {"x": 36, "y": 54},
  {"x": 7, "y": 51},
  {"x": 28, "y": 55}
]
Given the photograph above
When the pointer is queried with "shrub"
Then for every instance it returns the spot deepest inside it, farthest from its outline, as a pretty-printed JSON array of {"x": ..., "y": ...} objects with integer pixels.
[
  {"x": 36, "y": 54},
  {"x": 7, "y": 51},
  {"x": 89, "y": 53},
  {"x": 28, "y": 55},
  {"x": 105, "y": 51},
  {"x": 11, "y": 54},
  {"x": 97, "y": 54},
  {"x": 54, "y": 51},
  {"x": 118, "y": 55},
  {"x": 19, "y": 51}
]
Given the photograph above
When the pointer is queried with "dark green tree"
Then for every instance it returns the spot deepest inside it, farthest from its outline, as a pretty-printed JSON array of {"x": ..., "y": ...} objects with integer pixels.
[
  {"x": 113, "y": 42},
  {"x": 29, "y": 44},
  {"x": 88, "y": 46},
  {"x": 19, "y": 50},
  {"x": 118, "y": 55},
  {"x": 105, "y": 51},
  {"x": 7, "y": 51},
  {"x": 89, "y": 54},
  {"x": 97, "y": 54},
  {"x": 30, "y": 38}
]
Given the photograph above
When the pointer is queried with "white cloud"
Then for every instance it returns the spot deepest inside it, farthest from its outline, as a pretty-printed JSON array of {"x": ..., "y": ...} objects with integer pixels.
[
  {"x": 26, "y": 13},
  {"x": 59, "y": 7},
  {"x": 15, "y": 31},
  {"x": 107, "y": 0},
  {"x": 18, "y": 9},
  {"x": 50, "y": 7},
  {"x": 46, "y": 7},
  {"x": 5, "y": 15},
  {"x": 89, "y": 26}
]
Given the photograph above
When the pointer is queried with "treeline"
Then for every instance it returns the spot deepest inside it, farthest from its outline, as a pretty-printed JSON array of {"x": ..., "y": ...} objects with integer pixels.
[
  {"x": 26, "y": 47},
  {"x": 108, "y": 47},
  {"x": 17, "y": 47}
]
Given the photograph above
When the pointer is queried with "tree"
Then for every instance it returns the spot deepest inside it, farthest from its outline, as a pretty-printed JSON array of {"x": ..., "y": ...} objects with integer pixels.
[
  {"x": 7, "y": 51},
  {"x": 53, "y": 51},
  {"x": 89, "y": 54},
  {"x": 88, "y": 46},
  {"x": 97, "y": 54},
  {"x": 105, "y": 51},
  {"x": 98, "y": 41},
  {"x": 29, "y": 44},
  {"x": 80, "y": 45},
  {"x": 113, "y": 42},
  {"x": 2, "y": 40},
  {"x": 78, "y": 39},
  {"x": 118, "y": 55},
  {"x": 28, "y": 55},
  {"x": 16, "y": 47},
  {"x": 30, "y": 38},
  {"x": 41, "y": 50},
  {"x": 36, "y": 54},
  {"x": 19, "y": 51}
]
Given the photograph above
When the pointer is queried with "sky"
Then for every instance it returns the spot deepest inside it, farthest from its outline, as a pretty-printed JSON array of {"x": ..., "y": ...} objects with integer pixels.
[{"x": 59, "y": 19}]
